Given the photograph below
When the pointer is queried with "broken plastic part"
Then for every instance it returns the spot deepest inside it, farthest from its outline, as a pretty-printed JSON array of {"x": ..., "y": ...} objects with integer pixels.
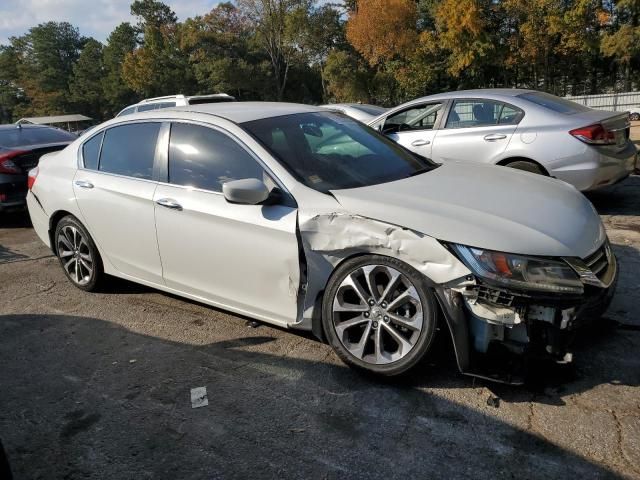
[{"x": 330, "y": 238}]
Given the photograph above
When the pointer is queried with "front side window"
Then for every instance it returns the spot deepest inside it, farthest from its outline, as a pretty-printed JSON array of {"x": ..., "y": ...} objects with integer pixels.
[
  {"x": 91, "y": 151},
  {"x": 328, "y": 151},
  {"x": 130, "y": 149},
  {"x": 481, "y": 113},
  {"x": 201, "y": 157},
  {"x": 418, "y": 117}
]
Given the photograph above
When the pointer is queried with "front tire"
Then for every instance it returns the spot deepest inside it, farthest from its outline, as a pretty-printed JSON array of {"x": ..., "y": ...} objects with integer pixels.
[
  {"x": 78, "y": 255},
  {"x": 378, "y": 315}
]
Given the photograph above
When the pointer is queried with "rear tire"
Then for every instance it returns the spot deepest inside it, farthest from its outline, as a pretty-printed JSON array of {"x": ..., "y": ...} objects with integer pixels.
[
  {"x": 634, "y": 117},
  {"x": 378, "y": 315},
  {"x": 526, "y": 166},
  {"x": 78, "y": 255}
]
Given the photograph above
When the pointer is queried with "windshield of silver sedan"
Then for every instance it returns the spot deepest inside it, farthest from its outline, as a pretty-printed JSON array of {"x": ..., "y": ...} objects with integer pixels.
[{"x": 330, "y": 151}]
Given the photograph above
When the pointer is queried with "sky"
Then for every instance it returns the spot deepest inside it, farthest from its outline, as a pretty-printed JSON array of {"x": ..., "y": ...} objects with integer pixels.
[{"x": 94, "y": 18}]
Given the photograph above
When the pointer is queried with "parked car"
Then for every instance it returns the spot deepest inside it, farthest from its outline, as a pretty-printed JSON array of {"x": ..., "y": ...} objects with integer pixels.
[
  {"x": 170, "y": 101},
  {"x": 249, "y": 208},
  {"x": 21, "y": 146},
  {"x": 361, "y": 112},
  {"x": 523, "y": 129}
]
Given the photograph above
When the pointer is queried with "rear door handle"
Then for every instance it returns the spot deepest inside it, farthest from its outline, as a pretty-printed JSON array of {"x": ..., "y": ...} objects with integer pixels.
[
  {"x": 83, "y": 184},
  {"x": 420, "y": 143},
  {"x": 492, "y": 137},
  {"x": 169, "y": 203}
]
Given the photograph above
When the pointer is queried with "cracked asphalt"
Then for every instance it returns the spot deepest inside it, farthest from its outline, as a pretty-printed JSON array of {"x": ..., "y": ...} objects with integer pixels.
[{"x": 98, "y": 386}]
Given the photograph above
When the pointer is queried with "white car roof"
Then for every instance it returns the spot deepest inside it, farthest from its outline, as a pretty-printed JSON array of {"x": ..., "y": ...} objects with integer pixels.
[{"x": 240, "y": 112}]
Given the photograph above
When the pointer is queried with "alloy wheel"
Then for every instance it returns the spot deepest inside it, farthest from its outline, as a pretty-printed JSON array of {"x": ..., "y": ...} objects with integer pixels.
[
  {"x": 75, "y": 254},
  {"x": 377, "y": 314}
]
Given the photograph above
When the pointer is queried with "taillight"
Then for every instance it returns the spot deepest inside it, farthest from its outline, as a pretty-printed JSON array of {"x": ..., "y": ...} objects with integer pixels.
[
  {"x": 7, "y": 165},
  {"x": 594, "y": 135},
  {"x": 31, "y": 178}
]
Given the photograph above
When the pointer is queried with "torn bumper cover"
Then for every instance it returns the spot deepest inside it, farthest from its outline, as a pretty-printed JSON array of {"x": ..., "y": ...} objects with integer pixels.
[{"x": 523, "y": 325}]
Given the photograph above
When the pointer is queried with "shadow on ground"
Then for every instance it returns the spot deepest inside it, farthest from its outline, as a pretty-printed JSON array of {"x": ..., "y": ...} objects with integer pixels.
[{"x": 100, "y": 401}]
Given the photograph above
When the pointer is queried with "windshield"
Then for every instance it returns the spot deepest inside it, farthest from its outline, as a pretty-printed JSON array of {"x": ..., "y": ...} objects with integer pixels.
[
  {"x": 330, "y": 151},
  {"x": 556, "y": 104},
  {"x": 370, "y": 109},
  {"x": 25, "y": 136}
]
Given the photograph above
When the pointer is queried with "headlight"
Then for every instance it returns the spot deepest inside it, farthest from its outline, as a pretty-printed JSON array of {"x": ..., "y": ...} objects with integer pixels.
[{"x": 519, "y": 271}]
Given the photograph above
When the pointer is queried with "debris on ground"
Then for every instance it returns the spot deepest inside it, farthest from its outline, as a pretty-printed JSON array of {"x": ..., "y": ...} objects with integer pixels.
[{"x": 199, "y": 397}]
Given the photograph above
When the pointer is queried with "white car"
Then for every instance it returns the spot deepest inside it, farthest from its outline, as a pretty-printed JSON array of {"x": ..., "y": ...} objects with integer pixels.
[
  {"x": 171, "y": 101},
  {"x": 523, "y": 129},
  {"x": 304, "y": 218}
]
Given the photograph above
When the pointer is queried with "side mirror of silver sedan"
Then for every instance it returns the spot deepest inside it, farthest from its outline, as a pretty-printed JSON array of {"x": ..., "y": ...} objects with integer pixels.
[{"x": 247, "y": 191}]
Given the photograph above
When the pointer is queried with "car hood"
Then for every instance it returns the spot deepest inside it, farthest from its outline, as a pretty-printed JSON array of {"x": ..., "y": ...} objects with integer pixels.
[{"x": 495, "y": 208}]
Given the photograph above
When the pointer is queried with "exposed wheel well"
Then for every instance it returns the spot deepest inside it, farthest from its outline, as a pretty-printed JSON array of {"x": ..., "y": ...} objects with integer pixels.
[
  {"x": 53, "y": 223},
  {"x": 506, "y": 161}
]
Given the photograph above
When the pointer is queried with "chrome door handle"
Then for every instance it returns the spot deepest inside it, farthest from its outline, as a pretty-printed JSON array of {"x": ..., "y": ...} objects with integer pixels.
[
  {"x": 83, "y": 184},
  {"x": 169, "y": 203},
  {"x": 420, "y": 143},
  {"x": 492, "y": 137}
]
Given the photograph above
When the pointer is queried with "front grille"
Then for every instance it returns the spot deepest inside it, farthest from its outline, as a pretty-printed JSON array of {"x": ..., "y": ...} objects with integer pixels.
[
  {"x": 495, "y": 296},
  {"x": 598, "y": 261}
]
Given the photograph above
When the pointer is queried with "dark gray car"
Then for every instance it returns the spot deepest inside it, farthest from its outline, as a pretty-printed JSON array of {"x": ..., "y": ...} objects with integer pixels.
[{"x": 21, "y": 147}]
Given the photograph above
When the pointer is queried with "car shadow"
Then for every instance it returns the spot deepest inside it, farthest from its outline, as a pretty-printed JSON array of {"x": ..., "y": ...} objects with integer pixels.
[
  {"x": 15, "y": 219},
  {"x": 620, "y": 199},
  {"x": 7, "y": 255},
  {"x": 111, "y": 402}
]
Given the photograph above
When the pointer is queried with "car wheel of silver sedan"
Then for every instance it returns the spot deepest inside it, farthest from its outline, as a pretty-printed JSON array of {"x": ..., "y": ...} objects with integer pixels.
[
  {"x": 78, "y": 254},
  {"x": 378, "y": 315}
]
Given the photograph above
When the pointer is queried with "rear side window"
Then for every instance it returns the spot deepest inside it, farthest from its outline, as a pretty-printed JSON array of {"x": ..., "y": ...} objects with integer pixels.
[
  {"x": 129, "y": 150},
  {"x": 204, "y": 158},
  {"x": 482, "y": 113},
  {"x": 146, "y": 108},
  {"x": 553, "y": 103},
  {"x": 26, "y": 136},
  {"x": 91, "y": 151},
  {"x": 166, "y": 105}
]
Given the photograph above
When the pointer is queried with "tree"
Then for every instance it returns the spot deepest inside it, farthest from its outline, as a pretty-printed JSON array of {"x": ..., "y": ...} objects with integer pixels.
[
  {"x": 86, "y": 83},
  {"x": 158, "y": 67},
  {"x": 278, "y": 28},
  {"x": 117, "y": 93},
  {"x": 44, "y": 60},
  {"x": 623, "y": 44},
  {"x": 383, "y": 30}
]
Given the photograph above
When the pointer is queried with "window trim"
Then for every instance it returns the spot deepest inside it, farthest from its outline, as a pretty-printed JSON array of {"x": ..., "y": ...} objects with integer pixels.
[
  {"x": 80, "y": 154},
  {"x": 163, "y": 158},
  {"x": 436, "y": 125},
  {"x": 452, "y": 103}
]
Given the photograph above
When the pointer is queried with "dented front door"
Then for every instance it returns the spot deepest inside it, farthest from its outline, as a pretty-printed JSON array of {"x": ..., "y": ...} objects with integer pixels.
[{"x": 241, "y": 257}]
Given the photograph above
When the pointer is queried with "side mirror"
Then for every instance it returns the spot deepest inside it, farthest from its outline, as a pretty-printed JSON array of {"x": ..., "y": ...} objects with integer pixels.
[{"x": 248, "y": 191}]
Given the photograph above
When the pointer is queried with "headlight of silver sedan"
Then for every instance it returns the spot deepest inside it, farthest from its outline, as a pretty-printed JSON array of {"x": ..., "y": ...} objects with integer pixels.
[{"x": 520, "y": 271}]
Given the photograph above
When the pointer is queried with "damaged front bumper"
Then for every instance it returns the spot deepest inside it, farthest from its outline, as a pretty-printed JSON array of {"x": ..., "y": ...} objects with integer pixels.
[{"x": 497, "y": 331}]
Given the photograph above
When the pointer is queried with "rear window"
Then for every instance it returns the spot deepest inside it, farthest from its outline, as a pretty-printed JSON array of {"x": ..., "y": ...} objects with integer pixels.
[
  {"x": 553, "y": 103},
  {"x": 20, "y": 137}
]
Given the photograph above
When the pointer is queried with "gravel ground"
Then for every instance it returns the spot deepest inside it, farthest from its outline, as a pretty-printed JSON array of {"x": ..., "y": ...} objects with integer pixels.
[{"x": 98, "y": 386}]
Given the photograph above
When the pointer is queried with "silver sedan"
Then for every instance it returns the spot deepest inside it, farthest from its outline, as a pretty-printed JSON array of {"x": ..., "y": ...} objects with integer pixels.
[
  {"x": 523, "y": 129},
  {"x": 305, "y": 218},
  {"x": 360, "y": 111}
]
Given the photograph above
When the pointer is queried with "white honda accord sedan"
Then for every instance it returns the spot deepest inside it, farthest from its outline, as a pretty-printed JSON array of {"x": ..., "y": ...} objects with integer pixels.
[{"x": 305, "y": 218}]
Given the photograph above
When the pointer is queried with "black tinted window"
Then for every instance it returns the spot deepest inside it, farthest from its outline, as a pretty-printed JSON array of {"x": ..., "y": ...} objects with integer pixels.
[
  {"x": 25, "y": 136},
  {"x": 328, "y": 151},
  {"x": 91, "y": 151},
  {"x": 166, "y": 105},
  {"x": 129, "y": 150},
  {"x": 204, "y": 158}
]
